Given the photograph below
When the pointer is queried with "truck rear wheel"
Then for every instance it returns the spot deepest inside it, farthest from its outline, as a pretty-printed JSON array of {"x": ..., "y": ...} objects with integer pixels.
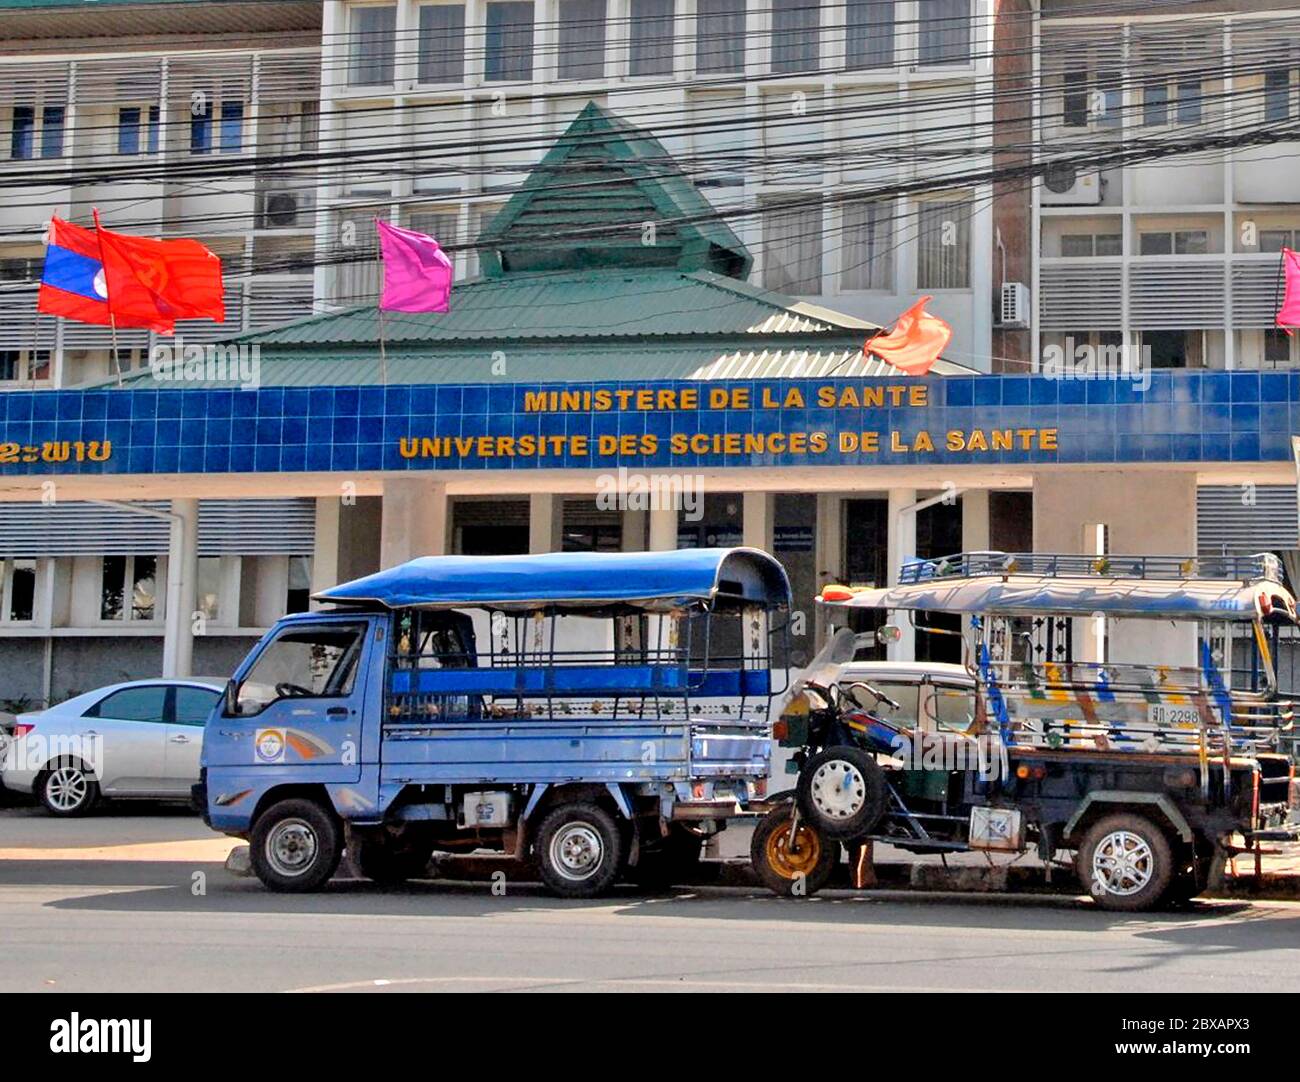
[
  {"x": 295, "y": 846},
  {"x": 1125, "y": 863},
  {"x": 579, "y": 850},
  {"x": 792, "y": 867},
  {"x": 842, "y": 791}
]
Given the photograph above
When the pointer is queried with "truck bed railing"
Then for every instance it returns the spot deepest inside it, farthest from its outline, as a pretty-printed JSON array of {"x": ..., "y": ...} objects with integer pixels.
[{"x": 1052, "y": 565}]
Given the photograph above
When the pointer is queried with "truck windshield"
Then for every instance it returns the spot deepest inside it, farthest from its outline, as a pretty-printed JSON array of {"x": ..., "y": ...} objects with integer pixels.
[{"x": 317, "y": 662}]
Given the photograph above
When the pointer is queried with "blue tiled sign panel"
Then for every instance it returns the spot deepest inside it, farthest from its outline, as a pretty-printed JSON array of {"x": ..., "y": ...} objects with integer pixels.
[{"x": 1180, "y": 417}]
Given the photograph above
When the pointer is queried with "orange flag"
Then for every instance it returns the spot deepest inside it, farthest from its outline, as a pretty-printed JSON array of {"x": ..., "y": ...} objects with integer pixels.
[{"x": 915, "y": 342}]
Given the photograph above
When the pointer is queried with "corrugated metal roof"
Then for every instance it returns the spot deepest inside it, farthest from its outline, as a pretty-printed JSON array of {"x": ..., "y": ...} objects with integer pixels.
[
  {"x": 49, "y": 19},
  {"x": 575, "y": 305},
  {"x": 562, "y": 363}
]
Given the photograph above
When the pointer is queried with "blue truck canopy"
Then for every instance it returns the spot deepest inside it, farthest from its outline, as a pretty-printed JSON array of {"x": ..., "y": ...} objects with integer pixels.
[{"x": 581, "y": 581}]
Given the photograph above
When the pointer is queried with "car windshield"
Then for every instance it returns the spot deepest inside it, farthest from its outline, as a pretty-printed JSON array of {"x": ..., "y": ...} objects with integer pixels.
[{"x": 303, "y": 662}]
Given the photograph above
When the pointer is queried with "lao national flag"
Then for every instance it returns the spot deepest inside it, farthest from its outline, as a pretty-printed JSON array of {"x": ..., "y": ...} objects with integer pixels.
[{"x": 73, "y": 282}]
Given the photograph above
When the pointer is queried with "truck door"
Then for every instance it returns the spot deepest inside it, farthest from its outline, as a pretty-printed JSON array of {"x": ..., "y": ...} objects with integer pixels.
[{"x": 301, "y": 702}]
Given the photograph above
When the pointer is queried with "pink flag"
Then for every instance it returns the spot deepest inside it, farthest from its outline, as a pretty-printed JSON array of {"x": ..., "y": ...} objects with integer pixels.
[
  {"x": 417, "y": 273},
  {"x": 1289, "y": 314}
]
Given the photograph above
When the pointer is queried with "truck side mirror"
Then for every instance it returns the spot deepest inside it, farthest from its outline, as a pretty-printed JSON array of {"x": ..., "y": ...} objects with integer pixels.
[{"x": 231, "y": 697}]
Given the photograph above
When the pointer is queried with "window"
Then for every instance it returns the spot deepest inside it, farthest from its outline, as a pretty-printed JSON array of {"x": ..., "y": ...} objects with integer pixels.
[
  {"x": 128, "y": 588},
  {"x": 317, "y": 662},
  {"x": 132, "y": 704},
  {"x": 1277, "y": 94},
  {"x": 193, "y": 705},
  {"x": 1189, "y": 102},
  {"x": 582, "y": 39},
  {"x": 1074, "y": 92},
  {"x": 868, "y": 241},
  {"x": 907, "y": 696},
  {"x": 719, "y": 36},
  {"x": 18, "y": 365},
  {"x": 52, "y": 131},
  {"x": 509, "y": 41},
  {"x": 651, "y": 33},
  {"x": 232, "y": 127},
  {"x": 298, "y": 596},
  {"x": 1155, "y": 105},
  {"x": 207, "y": 589},
  {"x": 1177, "y": 242},
  {"x": 22, "y": 135},
  {"x": 19, "y": 589},
  {"x": 795, "y": 35},
  {"x": 1274, "y": 240},
  {"x": 1174, "y": 349},
  {"x": 944, "y": 32},
  {"x": 1087, "y": 245},
  {"x": 374, "y": 44},
  {"x": 442, "y": 43},
  {"x": 943, "y": 238},
  {"x": 129, "y": 124},
  {"x": 869, "y": 34},
  {"x": 11, "y": 365},
  {"x": 201, "y": 127},
  {"x": 954, "y": 707},
  {"x": 792, "y": 249},
  {"x": 1277, "y": 346}
]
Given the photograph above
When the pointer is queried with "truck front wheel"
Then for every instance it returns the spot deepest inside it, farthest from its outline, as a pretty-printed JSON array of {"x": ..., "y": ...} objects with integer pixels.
[
  {"x": 1125, "y": 863},
  {"x": 295, "y": 846},
  {"x": 579, "y": 850}
]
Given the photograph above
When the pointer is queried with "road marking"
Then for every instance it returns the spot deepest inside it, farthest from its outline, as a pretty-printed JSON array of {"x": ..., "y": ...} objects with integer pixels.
[{"x": 640, "y": 982}]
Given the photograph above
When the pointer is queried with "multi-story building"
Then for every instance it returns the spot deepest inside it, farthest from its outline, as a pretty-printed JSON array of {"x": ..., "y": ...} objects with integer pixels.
[{"x": 1175, "y": 257}]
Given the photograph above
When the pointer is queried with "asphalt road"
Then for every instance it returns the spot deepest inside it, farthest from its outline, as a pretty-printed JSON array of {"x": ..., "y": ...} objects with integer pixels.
[{"x": 117, "y": 921}]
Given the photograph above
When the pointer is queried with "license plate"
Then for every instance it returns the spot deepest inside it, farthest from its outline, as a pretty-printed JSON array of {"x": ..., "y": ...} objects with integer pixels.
[{"x": 1164, "y": 714}]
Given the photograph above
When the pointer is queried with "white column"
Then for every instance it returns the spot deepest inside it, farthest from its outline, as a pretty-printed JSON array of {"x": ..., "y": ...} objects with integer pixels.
[
  {"x": 634, "y": 525},
  {"x": 902, "y": 546},
  {"x": 545, "y": 522},
  {"x": 828, "y": 554},
  {"x": 759, "y": 514},
  {"x": 182, "y": 573},
  {"x": 325, "y": 547},
  {"x": 975, "y": 520},
  {"x": 663, "y": 529},
  {"x": 413, "y": 521}
]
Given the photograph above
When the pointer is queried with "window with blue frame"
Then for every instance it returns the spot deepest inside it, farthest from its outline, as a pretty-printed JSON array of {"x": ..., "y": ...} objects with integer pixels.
[
  {"x": 52, "y": 117},
  {"x": 128, "y": 131},
  {"x": 22, "y": 135},
  {"x": 201, "y": 128},
  {"x": 232, "y": 127}
]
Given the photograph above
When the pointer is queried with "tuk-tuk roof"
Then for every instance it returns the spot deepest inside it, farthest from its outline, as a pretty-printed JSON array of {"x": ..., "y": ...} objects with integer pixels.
[
  {"x": 582, "y": 581},
  {"x": 1014, "y": 593}
]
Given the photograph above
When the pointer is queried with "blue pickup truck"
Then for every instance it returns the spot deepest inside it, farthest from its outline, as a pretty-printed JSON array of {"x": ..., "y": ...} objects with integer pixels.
[{"x": 593, "y": 712}]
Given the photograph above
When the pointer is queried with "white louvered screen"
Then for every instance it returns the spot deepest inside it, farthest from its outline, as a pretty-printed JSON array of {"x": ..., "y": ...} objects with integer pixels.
[
  {"x": 20, "y": 325},
  {"x": 1245, "y": 519},
  {"x": 88, "y": 336},
  {"x": 1256, "y": 291},
  {"x": 226, "y": 528},
  {"x": 273, "y": 302},
  {"x": 130, "y": 80},
  {"x": 1172, "y": 295},
  {"x": 26, "y": 83},
  {"x": 205, "y": 330},
  {"x": 1069, "y": 48},
  {"x": 288, "y": 76},
  {"x": 1080, "y": 295}
]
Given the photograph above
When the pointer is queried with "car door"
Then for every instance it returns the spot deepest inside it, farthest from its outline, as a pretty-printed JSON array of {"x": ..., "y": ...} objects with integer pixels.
[
  {"x": 128, "y": 729},
  {"x": 189, "y": 710}
]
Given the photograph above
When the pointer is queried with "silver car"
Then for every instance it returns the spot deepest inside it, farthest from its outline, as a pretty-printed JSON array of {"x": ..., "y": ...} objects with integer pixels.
[{"x": 140, "y": 739}]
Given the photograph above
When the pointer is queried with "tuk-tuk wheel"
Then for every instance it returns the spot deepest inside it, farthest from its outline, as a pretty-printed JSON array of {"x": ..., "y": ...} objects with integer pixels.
[
  {"x": 1125, "y": 863},
  {"x": 796, "y": 867},
  {"x": 842, "y": 791}
]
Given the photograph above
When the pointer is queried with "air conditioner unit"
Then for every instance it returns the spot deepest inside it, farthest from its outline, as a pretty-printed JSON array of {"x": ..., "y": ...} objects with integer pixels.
[
  {"x": 1013, "y": 310},
  {"x": 283, "y": 208},
  {"x": 1064, "y": 185}
]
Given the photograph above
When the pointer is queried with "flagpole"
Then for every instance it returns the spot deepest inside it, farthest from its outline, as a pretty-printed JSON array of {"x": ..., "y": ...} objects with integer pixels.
[
  {"x": 383, "y": 353},
  {"x": 112, "y": 319}
]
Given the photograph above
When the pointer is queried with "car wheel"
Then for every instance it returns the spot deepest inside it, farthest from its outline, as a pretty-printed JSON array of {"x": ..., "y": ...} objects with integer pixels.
[
  {"x": 295, "y": 846},
  {"x": 67, "y": 788},
  {"x": 579, "y": 850},
  {"x": 842, "y": 792},
  {"x": 1125, "y": 863},
  {"x": 792, "y": 867}
]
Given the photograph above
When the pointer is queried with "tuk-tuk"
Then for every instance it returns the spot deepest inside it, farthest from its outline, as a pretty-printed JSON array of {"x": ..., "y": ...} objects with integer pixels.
[{"x": 1150, "y": 773}]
